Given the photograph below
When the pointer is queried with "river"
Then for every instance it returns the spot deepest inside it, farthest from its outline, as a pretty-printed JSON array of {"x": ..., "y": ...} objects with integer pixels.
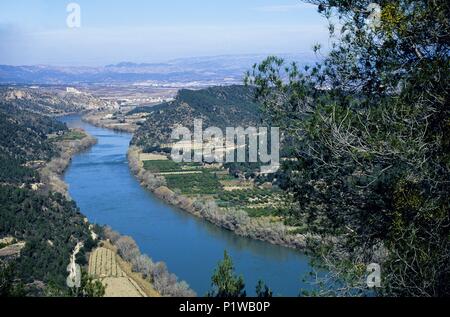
[{"x": 108, "y": 194}]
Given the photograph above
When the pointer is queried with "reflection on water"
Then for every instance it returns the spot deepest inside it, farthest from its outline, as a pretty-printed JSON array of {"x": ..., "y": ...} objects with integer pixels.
[{"x": 106, "y": 192}]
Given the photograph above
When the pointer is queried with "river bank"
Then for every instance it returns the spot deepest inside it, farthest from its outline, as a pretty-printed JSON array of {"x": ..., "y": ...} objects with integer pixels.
[
  {"x": 107, "y": 192},
  {"x": 73, "y": 142},
  {"x": 106, "y": 120},
  {"x": 131, "y": 274},
  {"x": 116, "y": 274},
  {"x": 119, "y": 280},
  {"x": 68, "y": 146},
  {"x": 237, "y": 221}
]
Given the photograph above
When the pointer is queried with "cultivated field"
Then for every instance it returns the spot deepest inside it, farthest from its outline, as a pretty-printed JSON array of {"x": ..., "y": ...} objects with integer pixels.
[
  {"x": 104, "y": 265},
  {"x": 152, "y": 157},
  {"x": 194, "y": 179}
]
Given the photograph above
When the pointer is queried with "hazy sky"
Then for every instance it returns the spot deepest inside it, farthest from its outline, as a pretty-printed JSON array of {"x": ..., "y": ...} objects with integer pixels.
[{"x": 36, "y": 32}]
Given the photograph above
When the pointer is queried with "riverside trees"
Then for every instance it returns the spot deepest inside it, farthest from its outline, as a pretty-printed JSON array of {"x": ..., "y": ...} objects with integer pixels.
[
  {"x": 164, "y": 282},
  {"x": 225, "y": 283}
]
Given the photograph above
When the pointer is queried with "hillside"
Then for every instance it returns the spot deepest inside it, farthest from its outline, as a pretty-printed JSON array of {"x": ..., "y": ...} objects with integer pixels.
[
  {"x": 23, "y": 140},
  {"x": 47, "y": 225},
  {"x": 221, "y": 107},
  {"x": 51, "y": 101}
]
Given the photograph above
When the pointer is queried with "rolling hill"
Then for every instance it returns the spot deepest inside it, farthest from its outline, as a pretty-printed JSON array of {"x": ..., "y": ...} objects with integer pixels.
[
  {"x": 222, "y": 107},
  {"x": 47, "y": 225}
]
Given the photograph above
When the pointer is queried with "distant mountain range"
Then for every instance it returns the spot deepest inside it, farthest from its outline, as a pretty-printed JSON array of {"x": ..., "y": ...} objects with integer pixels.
[{"x": 216, "y": 69}]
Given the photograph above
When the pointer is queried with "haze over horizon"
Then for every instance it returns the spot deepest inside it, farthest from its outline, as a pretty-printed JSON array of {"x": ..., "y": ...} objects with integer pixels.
[
  {"x": 36, "y": 33},
  {"x": 229, "y": 57}
]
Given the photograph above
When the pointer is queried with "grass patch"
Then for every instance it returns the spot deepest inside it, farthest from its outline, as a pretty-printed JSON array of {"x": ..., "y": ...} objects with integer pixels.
[
  {"x": 299, "y": 230},
  {"x": 71, "y": 135},
  {"x": 206, "y": 183},
  {"x": 161, "y": 166},
  {"x": 252, "y": 201},
  {"x": 211, "y": 182},
  {"x": 228, "y": 178},
  {"x": 261, "y": 212}
]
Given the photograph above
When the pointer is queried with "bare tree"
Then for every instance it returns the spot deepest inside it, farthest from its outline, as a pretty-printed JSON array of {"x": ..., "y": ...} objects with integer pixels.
[
  {"x": 127, "y": 248},
  {"x": 143, "y": 264},
  {"x": 110, "y": 234}
]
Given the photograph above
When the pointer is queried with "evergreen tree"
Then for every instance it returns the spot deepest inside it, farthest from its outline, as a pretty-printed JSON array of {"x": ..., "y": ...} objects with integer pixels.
[
  {"x": 89, "y": 287},
  {"x": 9, "y": 287},
  {"x": 262, "y": 290},
  {"x": 367, "y": 132},
  {"x": 224, "y": 281}
]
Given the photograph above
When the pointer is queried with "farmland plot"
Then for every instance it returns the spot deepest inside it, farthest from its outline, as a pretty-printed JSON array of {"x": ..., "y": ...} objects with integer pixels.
[
  {"x": 104, "y": 266},
  {"x": 102, "y": 263}
]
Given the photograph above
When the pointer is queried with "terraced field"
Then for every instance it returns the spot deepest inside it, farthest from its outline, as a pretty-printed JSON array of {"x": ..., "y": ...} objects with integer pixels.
[
  {"x": 194, "y": 179},
  {"x": 104, "y": 266},
  {"x": 102, "y": 263}
]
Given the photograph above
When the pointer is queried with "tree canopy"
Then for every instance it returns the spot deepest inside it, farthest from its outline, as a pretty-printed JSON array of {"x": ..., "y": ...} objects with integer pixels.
[
  {"x": 224, "y": 281},
  {"x": 367, "y": 131}
]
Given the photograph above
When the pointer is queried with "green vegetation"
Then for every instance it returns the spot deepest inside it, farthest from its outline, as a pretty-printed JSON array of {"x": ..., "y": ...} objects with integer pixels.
[
  {"x": 23, "y": 136},
  {"x": 38, "y": 219},
  {"x": 159, "y": 166},
  {"x": 71, "y": 135},
  {"x": 23, "y": 139},
  {"x": 257, "y": 202},
  {"x": 245, "y": 196},
  {"x": 205, "y": 183},
  {"x": 47, "y": 222},
  {"x": 199, "y": 181},
  {"x": 261, "y": 211},
  {"x": 88, "y": 288},
  {"x": 262, "y": 290},
  {"x": 12, "y": 172},
  {"x": 147, "y": 109},
  {"x": 217, "y": 106},
  {"x": 224, "y": 281},
  {"x": 9, "y": 287},
  {"x": 369, "y": 132}
]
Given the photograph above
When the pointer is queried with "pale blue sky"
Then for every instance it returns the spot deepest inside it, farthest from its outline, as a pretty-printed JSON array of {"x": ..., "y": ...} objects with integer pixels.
[{"x": 35, "y": 32}]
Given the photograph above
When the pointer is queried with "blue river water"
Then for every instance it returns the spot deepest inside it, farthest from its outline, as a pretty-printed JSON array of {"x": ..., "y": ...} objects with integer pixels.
[{"x": 108, "y": 194}]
